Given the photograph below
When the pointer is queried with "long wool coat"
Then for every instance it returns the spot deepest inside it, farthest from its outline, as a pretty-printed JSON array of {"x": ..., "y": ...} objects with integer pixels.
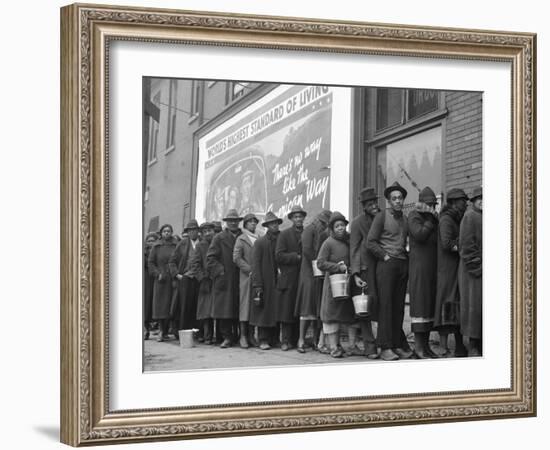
[
  {"x": 331, "y": 253},
  {"x": 264, "y": 277},
  {"x": 469, "y": 273},
  {"x": 148, "y": 283},
  {"x": 288, "y": 256},
  {"x": 198, "y": 266},
  {"x": 308, "y": 301},
  {"x": 242, "y": 257},
  {"x": 225, "y": 276},
  {"x": 179, "y": 265},
  {"x": 447, "y": 299},
  {"x": 158, "y": 266},
  {"x": 422, "y": 228},
  {"x": 362, "y": 260}
]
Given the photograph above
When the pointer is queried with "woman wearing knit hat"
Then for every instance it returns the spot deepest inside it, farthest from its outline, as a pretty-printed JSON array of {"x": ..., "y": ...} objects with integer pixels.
[
  {"x": 334, "y": 258},
  {"x": 422, "y": 226}
]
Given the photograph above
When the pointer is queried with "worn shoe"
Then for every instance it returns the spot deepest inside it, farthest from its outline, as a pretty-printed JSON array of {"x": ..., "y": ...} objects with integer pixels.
[
  {"x": 354, "y": 351},
  {"x": 208, "y": 342},
  {"x": 403, "y": 354},
  {"x": 474, "y": 352},
  {"x": 371, "y": 351},
  {"x": 431, "y": 354},
  {"x": 226, "y": 343},
  {"x": 337, "y": 353},
  {"x": 264, "y": 346},
  {"x": 160, "y": 337},
  {"x": 323, "y": 350},
  {"x": 285, "y": 347},
  {"x": 243, "y": 342},
  {"x": 146, "y": 336},
  {"x": 388, "y": 355}
]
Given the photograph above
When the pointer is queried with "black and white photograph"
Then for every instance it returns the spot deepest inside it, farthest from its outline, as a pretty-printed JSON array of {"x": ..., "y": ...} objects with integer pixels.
[{"x": 293, "y": 224}]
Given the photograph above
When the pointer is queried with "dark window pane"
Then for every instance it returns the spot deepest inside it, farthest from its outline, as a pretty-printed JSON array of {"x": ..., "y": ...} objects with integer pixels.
[
  {"x": 389, "y": 107},
  {"x": 422, "y": 101}
]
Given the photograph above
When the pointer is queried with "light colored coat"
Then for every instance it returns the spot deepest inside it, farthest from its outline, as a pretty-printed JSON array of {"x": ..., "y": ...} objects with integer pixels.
[{"x": 242, "y": 257}]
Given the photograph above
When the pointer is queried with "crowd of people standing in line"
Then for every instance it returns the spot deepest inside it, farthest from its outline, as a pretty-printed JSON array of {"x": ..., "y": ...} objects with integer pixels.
[{"x": 236, "y": 286}]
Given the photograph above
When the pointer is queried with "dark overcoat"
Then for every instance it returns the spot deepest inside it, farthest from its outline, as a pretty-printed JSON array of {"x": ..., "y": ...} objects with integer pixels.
[
  {"x": 447, "y": 299},
  {"x": 198, "y": 266},
  {"x": 225, "y": 275},
  {"x": 159, "y": 268},
  {"x": 148, "y": 284},
  {"x": 469, "y": 273},
  {"x": 331, "y": 253},
  {"x": 264, "y": 277},
  {"x": 362, "y": 260},
  {"x": 308, "y": 301},
  {"x": 422, "y": 227},
  {"x": 288, "y": 256},
  {"x": 179, "y": 263}
]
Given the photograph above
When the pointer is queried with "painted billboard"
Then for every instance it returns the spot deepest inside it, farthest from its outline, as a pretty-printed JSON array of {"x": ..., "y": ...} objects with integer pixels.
[{"x": 271, "y": 156}]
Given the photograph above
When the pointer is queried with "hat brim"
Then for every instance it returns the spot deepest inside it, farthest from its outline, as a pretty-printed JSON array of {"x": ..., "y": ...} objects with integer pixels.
[
  {"x": 237, "y": 219},
  {"x": 476, "y": 197},
  {"x": 390, "y": 189},
  {"x": 368, "y": 199},
  {"x": 279, "y": 221},
  {"x": 289, "y": 215}
]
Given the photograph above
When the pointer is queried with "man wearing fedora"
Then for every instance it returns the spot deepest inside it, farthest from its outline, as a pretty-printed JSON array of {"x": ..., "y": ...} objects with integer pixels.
[
  {"x": 387, "y": 240},
  {"x": 185, "y": 311},
  {"x": 263, "y": 308},
  {"x": 447, "y": 300},
  {"x": 470, "y": 247},
  {"x": 363, "y": 263},
  {"x": 225, "y": 277},
  {"x": 289, "y": 257},
  {"x": 242, "y": 257}
]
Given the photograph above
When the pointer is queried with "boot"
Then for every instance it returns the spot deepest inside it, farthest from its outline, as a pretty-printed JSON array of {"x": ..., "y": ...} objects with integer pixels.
[
  {"x": 251, "y": 336},
  {"x": 419, "y": 346},
  {"x": 243, "y": 342}
]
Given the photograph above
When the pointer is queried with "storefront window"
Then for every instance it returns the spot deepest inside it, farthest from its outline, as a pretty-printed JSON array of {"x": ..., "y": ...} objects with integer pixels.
[
  {"x": 414, "y": 162},
  {"x": 421, "y": 101},
  {"x": 389, "y": 108}
]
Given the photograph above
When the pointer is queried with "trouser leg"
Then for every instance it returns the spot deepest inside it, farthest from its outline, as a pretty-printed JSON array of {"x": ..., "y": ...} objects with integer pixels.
[
  {"x": 401, "y": 277},
  {"x": 385, "y": 281},
  {"x": 226, "y": 329}
]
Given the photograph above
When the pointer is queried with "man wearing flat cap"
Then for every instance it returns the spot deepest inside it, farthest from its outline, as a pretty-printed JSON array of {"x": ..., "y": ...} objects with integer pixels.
[
  {"x": 289, "y": 258},
  {"x": 363, "y": 262},
  {"x": 225, "y": 277},
  {"x": 387, "y": 240},
  {"x": 470, "y": 247},
  {"x": 266, "y": 296},
  {"x": 198, "y": 266},
  {"x": 308, "y": 301},
  {"x": 242, "y": 257},
  {"x": 185, "y": 311}
]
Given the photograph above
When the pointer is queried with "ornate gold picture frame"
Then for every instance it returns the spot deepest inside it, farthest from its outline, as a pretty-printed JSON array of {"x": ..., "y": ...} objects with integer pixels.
[{"x": 87, "y": 32}]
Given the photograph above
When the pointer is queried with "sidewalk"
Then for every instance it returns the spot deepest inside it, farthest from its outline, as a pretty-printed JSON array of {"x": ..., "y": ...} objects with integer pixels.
[{"x": 168, "y": 355}]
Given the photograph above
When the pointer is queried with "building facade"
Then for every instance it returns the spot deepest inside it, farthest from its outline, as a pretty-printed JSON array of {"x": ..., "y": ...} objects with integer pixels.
[{"x": 211, "y": 145}]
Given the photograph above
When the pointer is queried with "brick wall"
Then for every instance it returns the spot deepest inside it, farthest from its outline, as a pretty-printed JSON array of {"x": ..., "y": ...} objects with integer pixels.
[{"x": 463, "y": 155}]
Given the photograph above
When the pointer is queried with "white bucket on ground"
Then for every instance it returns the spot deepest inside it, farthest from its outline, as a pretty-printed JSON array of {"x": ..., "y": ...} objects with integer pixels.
[{"x": 187, "y": 338}]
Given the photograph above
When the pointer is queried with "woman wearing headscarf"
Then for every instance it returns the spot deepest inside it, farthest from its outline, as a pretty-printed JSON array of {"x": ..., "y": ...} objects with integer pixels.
[
  {"x": 334, "y": 258},
  {"x": 447, "y": 300},
  {"x": 148, "y": 283},
  {"x": 470, "y": 246},
  {"x": 160, "y": 270},
  {"x": 422, "y": 227},
  {"x": 308, "y": 301}
]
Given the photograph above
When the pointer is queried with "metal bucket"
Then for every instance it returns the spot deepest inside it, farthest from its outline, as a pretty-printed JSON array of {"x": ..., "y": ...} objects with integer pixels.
[
  {"x": 363, "y": 304},
  {"x": 187, "y": 338},
  {"x": 316, "y": 271},
  {"x": 339, "y": 285}
]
